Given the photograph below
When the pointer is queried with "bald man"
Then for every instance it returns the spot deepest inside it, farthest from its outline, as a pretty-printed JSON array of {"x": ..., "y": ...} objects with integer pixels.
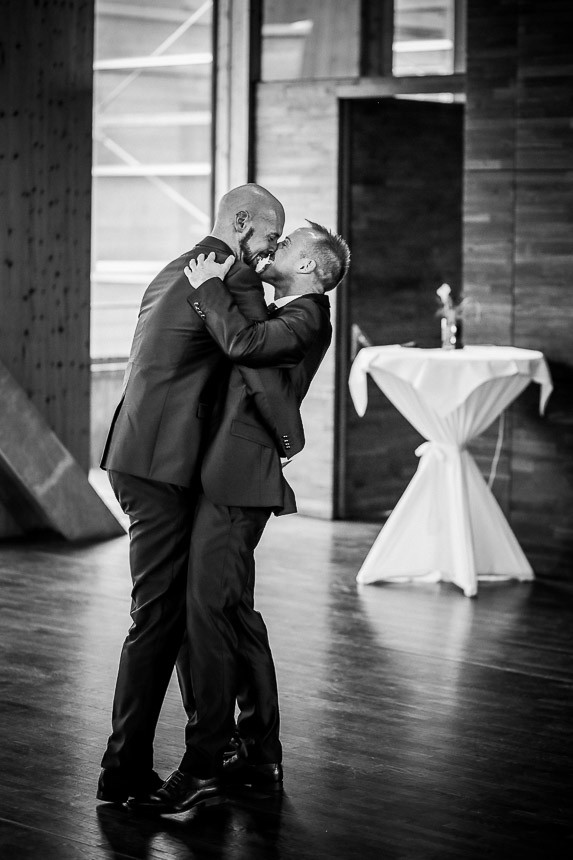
[{"x": 152, "y": 454}]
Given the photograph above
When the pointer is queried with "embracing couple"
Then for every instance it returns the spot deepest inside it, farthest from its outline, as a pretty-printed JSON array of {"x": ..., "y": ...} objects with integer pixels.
[{"x": 209, "y": 415}]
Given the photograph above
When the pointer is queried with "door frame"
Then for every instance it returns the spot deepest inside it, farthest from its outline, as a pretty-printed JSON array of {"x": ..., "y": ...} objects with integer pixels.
[{"x": 364, "y": 88}]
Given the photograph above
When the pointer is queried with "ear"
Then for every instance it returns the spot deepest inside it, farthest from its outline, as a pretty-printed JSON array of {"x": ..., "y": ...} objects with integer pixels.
[
  {"x": 306, "y": 266},
  {"x": 241, "y": 220}
]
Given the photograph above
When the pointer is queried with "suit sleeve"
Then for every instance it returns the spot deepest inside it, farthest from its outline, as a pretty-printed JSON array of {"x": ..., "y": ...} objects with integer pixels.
[
  {"x": 271, "y": 384},
  {"x": 279, "y": 342}
]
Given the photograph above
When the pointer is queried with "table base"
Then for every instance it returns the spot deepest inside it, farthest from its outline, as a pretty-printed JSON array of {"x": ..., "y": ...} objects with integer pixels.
[{"x": 448, "y": 526}]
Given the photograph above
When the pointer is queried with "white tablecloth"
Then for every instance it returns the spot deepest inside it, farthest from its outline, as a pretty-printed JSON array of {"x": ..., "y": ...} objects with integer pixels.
[{"x": 447, "y": 525}]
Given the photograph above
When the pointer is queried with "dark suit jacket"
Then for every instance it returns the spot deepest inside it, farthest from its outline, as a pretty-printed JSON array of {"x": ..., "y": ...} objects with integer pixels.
[
  {"x": 282, "y": 340},
  {"x": 241, "y": 466},
  {"x": 174, "y": 373}
]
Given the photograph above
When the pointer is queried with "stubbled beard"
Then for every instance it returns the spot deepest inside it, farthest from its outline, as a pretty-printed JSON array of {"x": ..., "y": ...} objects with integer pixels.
[
  {"x": 259, "y": 262},
  {"x": 246, "y": 252}
]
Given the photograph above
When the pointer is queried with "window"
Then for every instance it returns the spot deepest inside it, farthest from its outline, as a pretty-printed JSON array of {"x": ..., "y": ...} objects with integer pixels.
[
  {"x": 428, "y": 37},
  {"x": 309, "y": 39},
  {"x": 152, "y": 152}
]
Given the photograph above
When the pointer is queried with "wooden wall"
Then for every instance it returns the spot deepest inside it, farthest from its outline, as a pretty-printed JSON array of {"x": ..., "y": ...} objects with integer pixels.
[
  {"x": 46, "y": 55},
  {"x": 518, "y": 244},
  {"x": 518, "y": 248}
]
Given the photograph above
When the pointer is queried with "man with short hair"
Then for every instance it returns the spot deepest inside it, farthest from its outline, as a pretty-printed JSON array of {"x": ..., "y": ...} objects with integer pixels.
[{"x": 242, "y": 484}]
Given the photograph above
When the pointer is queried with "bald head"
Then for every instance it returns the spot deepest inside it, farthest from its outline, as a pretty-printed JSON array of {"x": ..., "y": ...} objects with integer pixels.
[
  {"x": 253, "y": 198},
  {"x": 250, "y": 220}
]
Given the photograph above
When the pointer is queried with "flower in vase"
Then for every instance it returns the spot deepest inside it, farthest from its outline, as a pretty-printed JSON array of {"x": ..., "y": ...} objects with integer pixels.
[
  {"x": 452, "y": 310},
  {"x": 445, "y": 294},
  {"x": 451, "y": 313}
]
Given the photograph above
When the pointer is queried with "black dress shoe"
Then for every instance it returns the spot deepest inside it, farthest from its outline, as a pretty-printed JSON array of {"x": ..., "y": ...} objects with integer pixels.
[
  {"x": 114, "y": 786},
  {"x": 264, "y": 777},
  {"x": 179, "y": 793}
]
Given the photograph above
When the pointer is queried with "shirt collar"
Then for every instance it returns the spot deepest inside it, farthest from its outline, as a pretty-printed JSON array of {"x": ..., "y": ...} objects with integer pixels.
[{"x": 284, "y": 300}]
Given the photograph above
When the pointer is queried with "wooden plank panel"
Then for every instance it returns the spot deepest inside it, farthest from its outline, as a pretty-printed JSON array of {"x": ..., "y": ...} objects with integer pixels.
[
  {"x": 518, "y": 250},
  {"x": 45, "y": 211},
  {"x": 416, "y": 723},
  {"x": 489, "y": 199},
  {"x": 489, "y": 192},
  {"x": 377, "y": 34},
  {"x": 542, "y": 462},
  {"x": 489, "y": 203},
  {"x": 545, "y": 109},
  {"x": 304, "y": 176},
  {"x": 489, "y": 159},
  {"x": 542, "y": 477},
  {"x": 491, "y": 84}
]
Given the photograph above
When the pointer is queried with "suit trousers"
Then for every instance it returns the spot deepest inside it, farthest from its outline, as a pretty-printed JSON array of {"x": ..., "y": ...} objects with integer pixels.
[
  {"x": 227, "y": 638},
  {"x": 161, "y": 517}
]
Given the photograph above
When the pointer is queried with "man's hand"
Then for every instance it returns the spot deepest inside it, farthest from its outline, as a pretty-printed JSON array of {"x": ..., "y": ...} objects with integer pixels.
[{"x": 200, "y": 270}]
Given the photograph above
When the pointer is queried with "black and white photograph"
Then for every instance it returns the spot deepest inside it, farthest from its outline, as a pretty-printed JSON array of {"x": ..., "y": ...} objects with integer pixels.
[{"x": 286, "y": 429}]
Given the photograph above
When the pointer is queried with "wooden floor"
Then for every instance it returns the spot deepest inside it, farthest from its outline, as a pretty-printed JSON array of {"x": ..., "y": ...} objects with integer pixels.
[{"x": 416, "y": 723}]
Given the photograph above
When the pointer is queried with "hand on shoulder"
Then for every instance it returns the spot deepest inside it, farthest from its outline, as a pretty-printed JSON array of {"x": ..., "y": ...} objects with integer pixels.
[{"x": 203, "y": 268}]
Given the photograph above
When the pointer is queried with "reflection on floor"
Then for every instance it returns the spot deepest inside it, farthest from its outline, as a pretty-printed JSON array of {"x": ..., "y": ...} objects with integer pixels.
[{"x": 416, "y": 723}]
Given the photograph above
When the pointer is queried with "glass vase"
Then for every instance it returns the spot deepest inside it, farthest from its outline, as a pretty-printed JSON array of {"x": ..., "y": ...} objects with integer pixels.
[{"x": 451, "y": 329}]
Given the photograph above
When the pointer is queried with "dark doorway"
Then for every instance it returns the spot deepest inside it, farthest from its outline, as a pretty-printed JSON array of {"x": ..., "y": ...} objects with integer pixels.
[{"x": 401, "y": 211}]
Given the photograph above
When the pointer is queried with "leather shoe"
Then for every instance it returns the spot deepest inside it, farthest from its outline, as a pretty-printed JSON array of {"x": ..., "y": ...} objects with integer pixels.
[
  {"x": 179, "y": 793},
  {"x": 265, "y": 777},
  {"x": 240, "y": 770},
  {"x": 114, "y": 786}
]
